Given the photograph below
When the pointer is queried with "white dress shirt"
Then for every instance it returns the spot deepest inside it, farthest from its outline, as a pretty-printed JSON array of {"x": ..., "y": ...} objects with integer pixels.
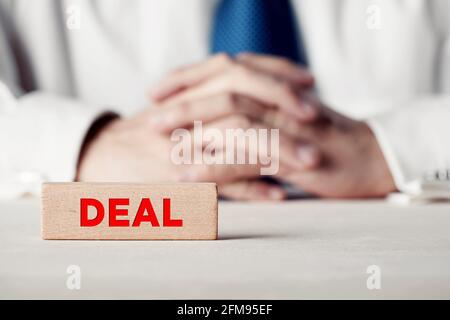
[{"x": 65, "y": 62}]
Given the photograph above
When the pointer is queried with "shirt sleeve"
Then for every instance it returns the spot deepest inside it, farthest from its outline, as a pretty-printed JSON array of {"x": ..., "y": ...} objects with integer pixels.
[
  {"x": 415, "y": 139},
  {"x": 41, "y": 136},
  {"x": 41, "y": 133}
]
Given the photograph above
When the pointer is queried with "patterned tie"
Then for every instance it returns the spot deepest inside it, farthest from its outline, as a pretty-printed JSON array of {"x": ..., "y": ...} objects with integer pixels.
[{"x": 259, "y": 26}]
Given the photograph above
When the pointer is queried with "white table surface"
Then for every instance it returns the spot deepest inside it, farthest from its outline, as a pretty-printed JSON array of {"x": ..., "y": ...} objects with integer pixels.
[{"x": 293, "y": 250}]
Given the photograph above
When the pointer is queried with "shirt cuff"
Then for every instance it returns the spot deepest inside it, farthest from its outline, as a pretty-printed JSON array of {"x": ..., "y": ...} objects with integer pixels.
[
  {"x": 414, "y": 141},
  {"x": 41, "y": 140}
]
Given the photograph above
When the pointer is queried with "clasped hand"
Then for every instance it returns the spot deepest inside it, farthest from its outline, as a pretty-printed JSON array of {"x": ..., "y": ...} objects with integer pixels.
[{"x": 320, "y": 151}]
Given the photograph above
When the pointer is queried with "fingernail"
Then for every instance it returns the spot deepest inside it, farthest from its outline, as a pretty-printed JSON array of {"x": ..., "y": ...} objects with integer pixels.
[
  {"x": 308, "y": 78},
  {"x": 307, "y": 155},
  {"x": 158, "y": 121},
  {"x": 156, "y": 93},
  {"x": 303, "y": 76},
  {"x": 243, "y": 55},
  {"x": 309, "y": 110},
  {"x": 276, "y": 194}
]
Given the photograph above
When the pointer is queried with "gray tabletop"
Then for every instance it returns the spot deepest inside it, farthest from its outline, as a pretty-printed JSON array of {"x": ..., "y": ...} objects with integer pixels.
[{"x": 292, "y": 250}]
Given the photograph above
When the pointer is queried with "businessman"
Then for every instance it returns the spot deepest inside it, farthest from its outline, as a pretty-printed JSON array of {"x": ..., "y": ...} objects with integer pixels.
[{"x": 358, "y": 89}]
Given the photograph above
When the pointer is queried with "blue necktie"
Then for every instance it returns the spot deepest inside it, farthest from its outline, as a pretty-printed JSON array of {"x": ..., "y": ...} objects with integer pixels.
[{"x": 259, "y": 26}]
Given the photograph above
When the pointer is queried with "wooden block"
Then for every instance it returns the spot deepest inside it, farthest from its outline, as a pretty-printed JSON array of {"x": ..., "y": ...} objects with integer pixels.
[{"x": 179, "y": 211}]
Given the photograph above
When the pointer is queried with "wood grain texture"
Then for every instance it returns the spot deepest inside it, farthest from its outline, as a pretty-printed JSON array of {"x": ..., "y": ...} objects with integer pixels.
[{"x": 194, "y": 203}]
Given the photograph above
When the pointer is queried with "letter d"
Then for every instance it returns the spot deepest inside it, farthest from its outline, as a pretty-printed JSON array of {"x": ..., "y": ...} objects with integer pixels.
[{"x": 84, "y": 219}]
